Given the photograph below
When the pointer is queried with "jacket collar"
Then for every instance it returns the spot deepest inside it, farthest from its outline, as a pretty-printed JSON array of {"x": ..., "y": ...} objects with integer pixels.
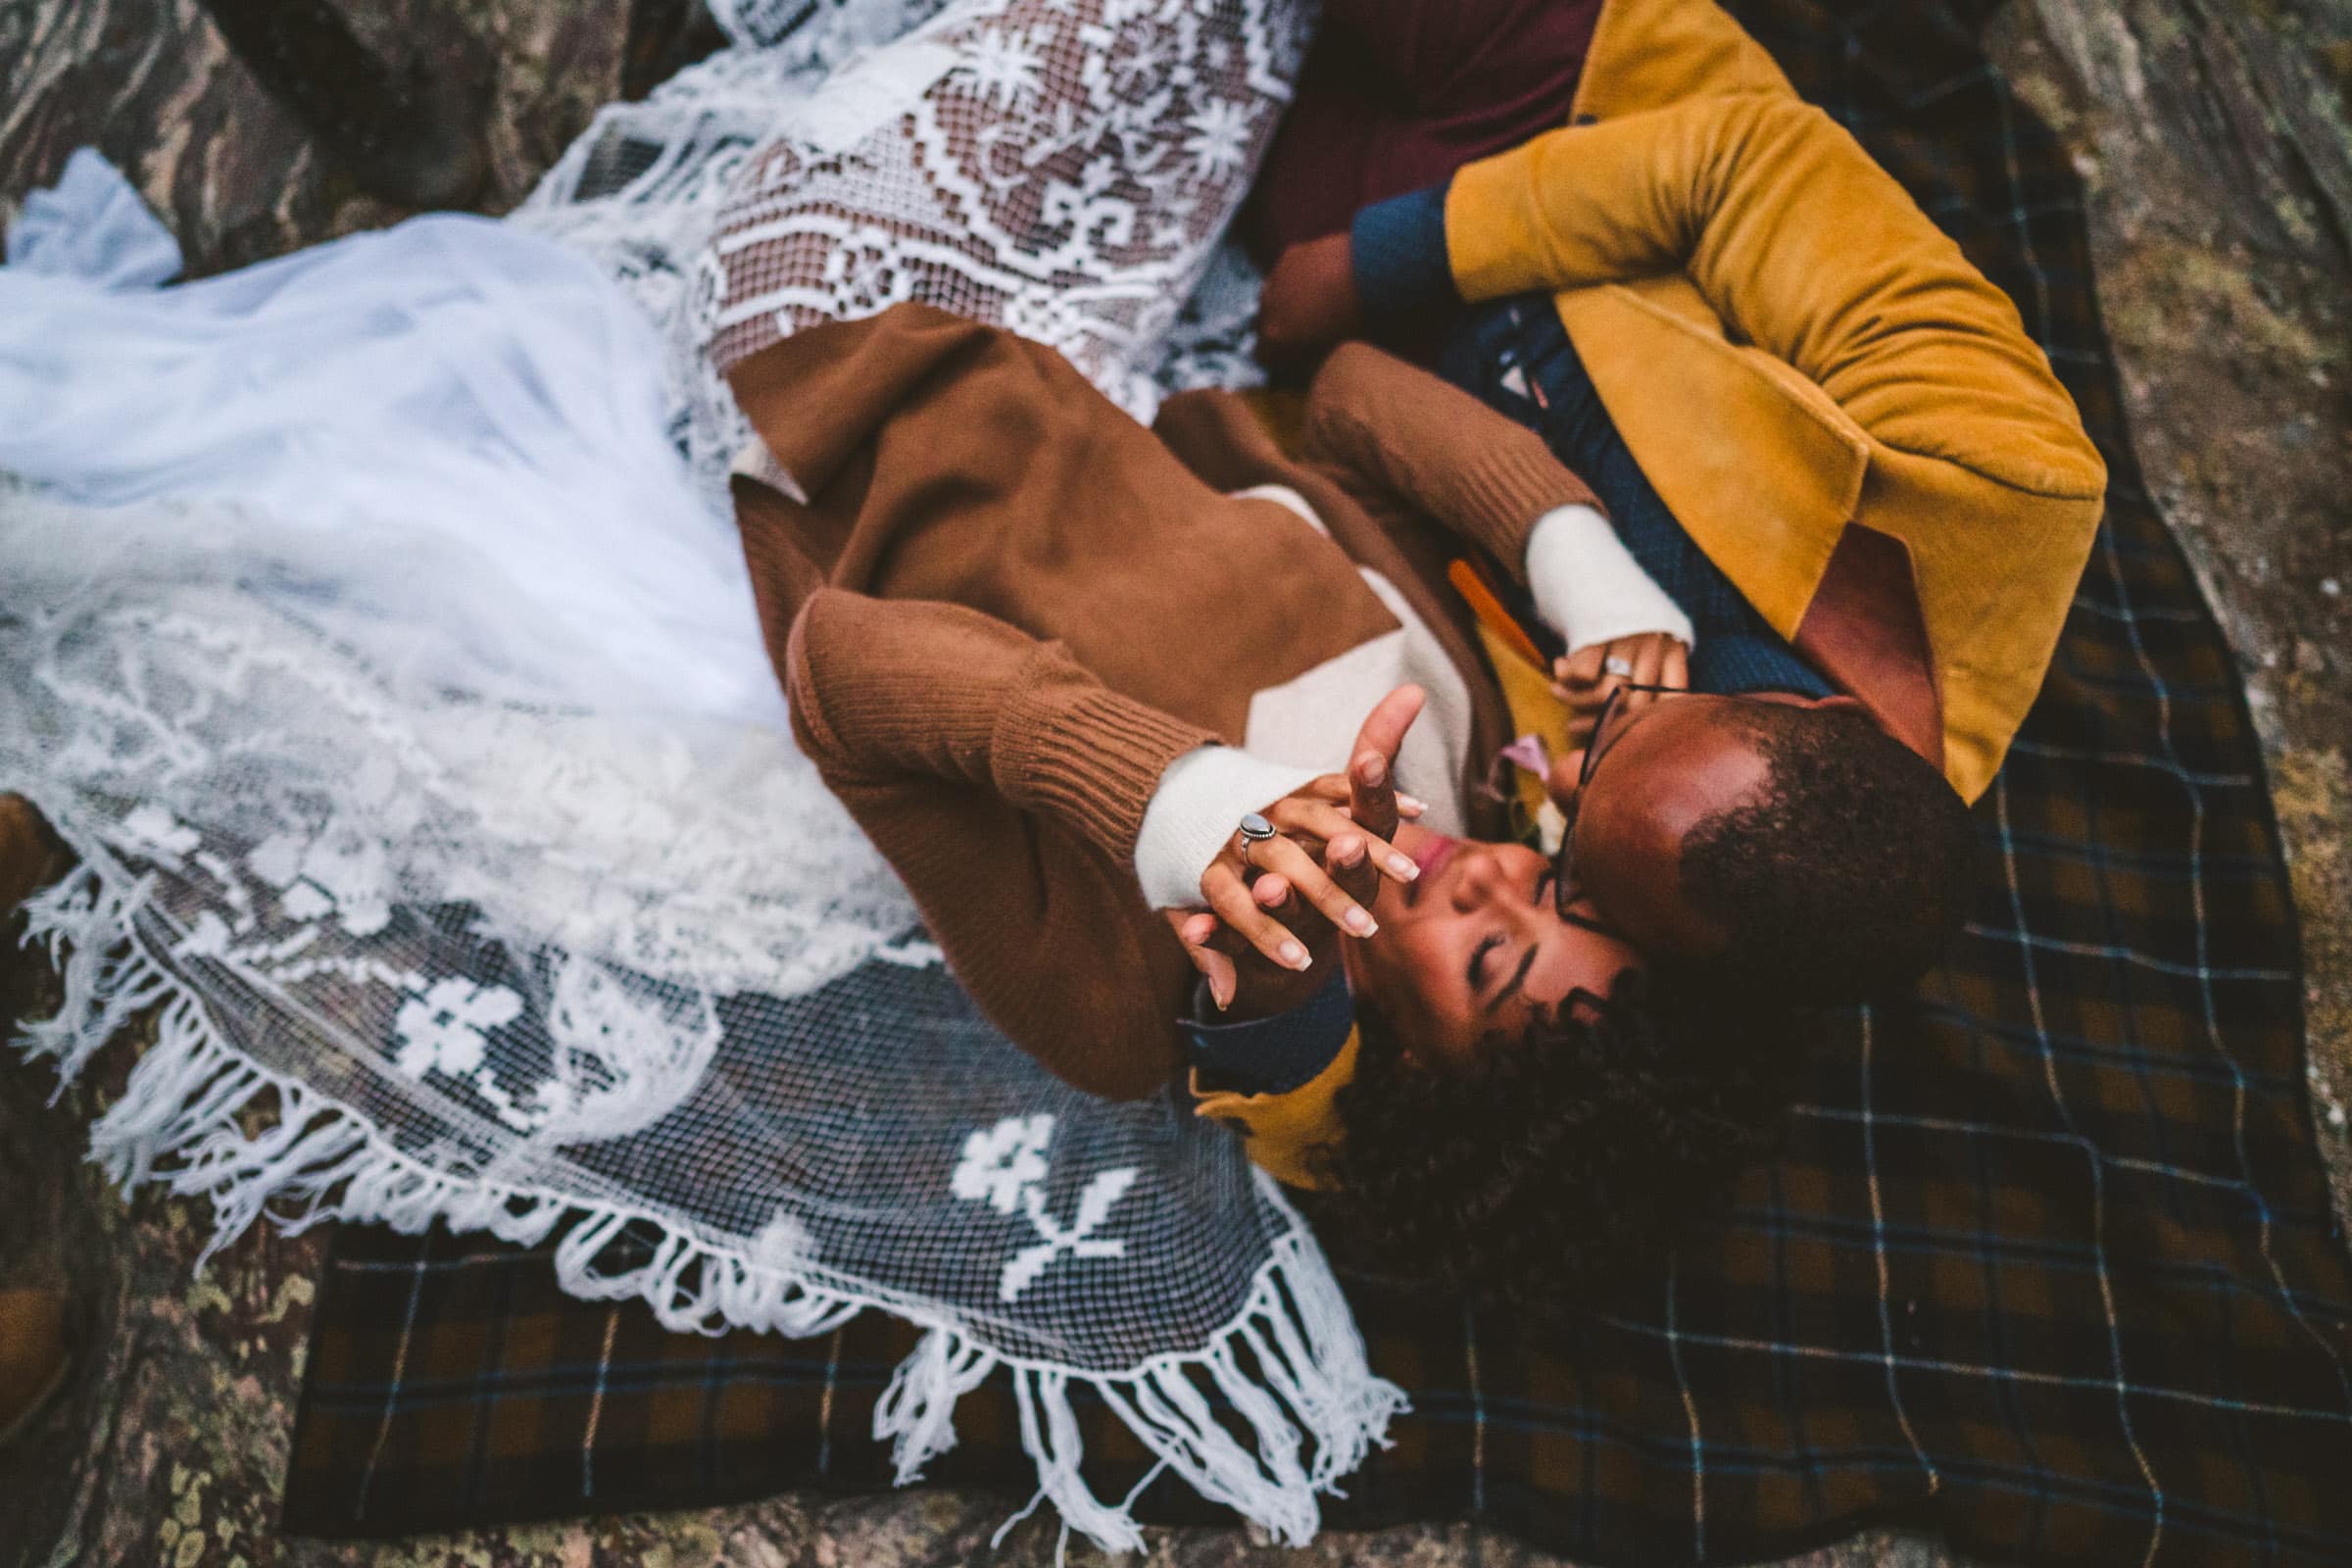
[{"x": 1647, "y": 54}]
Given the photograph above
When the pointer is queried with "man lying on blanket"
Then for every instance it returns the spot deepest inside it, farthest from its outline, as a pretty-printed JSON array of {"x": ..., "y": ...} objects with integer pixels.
[{"x": 1802, "y": 410}]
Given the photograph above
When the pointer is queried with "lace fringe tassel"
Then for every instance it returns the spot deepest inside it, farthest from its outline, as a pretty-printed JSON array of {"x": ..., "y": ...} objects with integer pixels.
[
  {"x": 1307, "y": 1384},
  {"x": 1290, "y": 1371},
  {"x": 918, "y": 1410}
]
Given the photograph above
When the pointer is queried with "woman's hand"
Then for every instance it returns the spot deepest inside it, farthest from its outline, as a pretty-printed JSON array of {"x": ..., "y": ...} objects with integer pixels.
[
  {"x": 1331, "y": 846},
  {"x": 1309, "y": 302}
]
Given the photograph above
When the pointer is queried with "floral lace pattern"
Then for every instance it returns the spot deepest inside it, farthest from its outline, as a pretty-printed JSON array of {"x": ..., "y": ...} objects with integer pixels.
[
  {"x": 1063, "y": 166},
  {"x": 1006, "y": 1169},
  {"x": 515, "y": 939}
]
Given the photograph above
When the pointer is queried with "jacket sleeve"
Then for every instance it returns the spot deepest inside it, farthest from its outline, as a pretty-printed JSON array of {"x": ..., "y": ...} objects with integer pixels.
[
  {"x": 1005, "y": 786},
  {"x": 1803, "y": 246}
]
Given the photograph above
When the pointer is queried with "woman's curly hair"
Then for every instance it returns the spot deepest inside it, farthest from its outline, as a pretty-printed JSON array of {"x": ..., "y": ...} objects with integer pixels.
[{"x": 1548, "y": 1170}]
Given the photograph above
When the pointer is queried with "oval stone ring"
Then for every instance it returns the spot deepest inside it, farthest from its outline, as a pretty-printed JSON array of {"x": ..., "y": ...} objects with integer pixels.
[
  {"x": 1618, "y": 666},
  {"x": 1254, "y": 829}
]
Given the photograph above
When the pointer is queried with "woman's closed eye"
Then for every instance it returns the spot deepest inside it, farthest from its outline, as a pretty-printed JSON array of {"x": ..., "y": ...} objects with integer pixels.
[{"x": 1479, "y": 966}]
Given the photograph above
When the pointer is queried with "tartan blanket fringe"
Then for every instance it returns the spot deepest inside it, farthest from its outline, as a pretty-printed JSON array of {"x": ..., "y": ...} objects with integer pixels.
[{"x": 1290, "y": 1371}]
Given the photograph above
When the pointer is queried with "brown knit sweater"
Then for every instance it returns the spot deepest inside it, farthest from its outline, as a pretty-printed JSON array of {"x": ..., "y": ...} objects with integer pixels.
[{"x": 1005, "y": 609}]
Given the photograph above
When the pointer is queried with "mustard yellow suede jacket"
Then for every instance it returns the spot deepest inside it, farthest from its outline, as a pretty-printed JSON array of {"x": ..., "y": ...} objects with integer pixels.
[{"x": 1791, "y": 349}]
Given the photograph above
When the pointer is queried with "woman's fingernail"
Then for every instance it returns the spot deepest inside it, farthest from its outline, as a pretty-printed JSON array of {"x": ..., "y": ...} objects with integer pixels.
[
  {"x": 1295, "y": 955},
  {"x": 1222, "y": 998},
  {"x": 1360, "y": 924},
  {"x": 1410, "y": 803},
  {"x": 1403, "y": 866},
  {"x": 1376, "y": 771}
]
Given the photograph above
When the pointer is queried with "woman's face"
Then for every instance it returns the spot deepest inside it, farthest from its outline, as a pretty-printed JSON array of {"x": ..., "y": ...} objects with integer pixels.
[{"x": 1475, "y": 947}]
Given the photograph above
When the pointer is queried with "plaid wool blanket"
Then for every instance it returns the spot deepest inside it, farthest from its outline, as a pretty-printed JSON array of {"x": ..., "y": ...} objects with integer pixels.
[{"x": 2047, "y": 1265}]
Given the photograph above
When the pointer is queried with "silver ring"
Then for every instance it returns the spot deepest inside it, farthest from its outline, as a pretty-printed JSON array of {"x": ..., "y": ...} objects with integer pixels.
[
  {"x": 1617, "y": 666},
  {"x": 1254, "y": 829}
]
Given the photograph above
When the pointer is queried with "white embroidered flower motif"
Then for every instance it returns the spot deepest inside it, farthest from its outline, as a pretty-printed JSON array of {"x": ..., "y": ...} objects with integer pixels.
[
  {"x": 442, "y": 1031},
  {"x": 1004, "y": 66},
  {"x": 156, "y": 832},
  {"x": 1000, "y": 1164},
  {"x": 1078, "y": 1240},
  {"x": 338, "y": 875},
  {"x": 1221, "y": 139},
  {"x": 1005, "y": 1167},
  {"x": 1130, "y": 64}
]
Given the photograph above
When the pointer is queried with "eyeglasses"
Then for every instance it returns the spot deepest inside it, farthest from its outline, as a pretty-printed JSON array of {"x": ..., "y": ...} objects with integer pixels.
[{"x": 1563, "y": 867}]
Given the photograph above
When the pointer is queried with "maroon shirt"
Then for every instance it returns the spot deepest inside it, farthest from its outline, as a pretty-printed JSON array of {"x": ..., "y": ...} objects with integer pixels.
[{"x": 1397, "y": 94}]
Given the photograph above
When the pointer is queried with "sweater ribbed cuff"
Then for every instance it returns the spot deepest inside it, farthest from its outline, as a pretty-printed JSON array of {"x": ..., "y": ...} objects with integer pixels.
[
  {"x": 1090, "y": 757},
  {"x": 1504, "y": 491},
  {"x": 1397, "y": 248}
]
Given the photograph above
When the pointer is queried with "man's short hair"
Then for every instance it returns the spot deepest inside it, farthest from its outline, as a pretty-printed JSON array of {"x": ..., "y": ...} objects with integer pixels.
[
  {"x": 1548, "y": 1170},
  {"x": 1846, "y": 878}
]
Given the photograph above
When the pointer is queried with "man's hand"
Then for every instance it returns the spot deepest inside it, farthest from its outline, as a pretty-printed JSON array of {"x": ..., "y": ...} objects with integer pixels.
[
  {"x": 1274, "y": 914},
  {"x": 1585, "y": 679},
  {"x": 1308, "y": 303}
]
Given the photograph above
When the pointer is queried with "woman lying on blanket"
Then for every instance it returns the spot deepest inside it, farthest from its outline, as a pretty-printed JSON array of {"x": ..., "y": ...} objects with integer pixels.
[
  {"x": 1020, "y": 636},
  {"x": 1805, "y": 414},
  {"x": 1078, "y": 679}
]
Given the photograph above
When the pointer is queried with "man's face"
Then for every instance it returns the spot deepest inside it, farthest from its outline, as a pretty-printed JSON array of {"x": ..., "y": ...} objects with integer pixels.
[
  {"x": 1656, "y": 772},
  {"x": 1476, "y": 946}
]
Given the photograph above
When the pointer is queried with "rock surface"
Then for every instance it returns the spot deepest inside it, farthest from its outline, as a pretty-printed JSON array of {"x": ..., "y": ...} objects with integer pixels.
[{"x": 2212, "y": 135}]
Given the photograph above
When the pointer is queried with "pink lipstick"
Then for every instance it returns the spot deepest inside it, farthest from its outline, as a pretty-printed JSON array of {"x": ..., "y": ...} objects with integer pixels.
[{"x": 1431, "y": 855}]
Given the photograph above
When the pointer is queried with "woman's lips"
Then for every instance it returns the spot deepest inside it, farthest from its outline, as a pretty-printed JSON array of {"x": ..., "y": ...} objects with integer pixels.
[{"x": 1431, "y": 855}]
